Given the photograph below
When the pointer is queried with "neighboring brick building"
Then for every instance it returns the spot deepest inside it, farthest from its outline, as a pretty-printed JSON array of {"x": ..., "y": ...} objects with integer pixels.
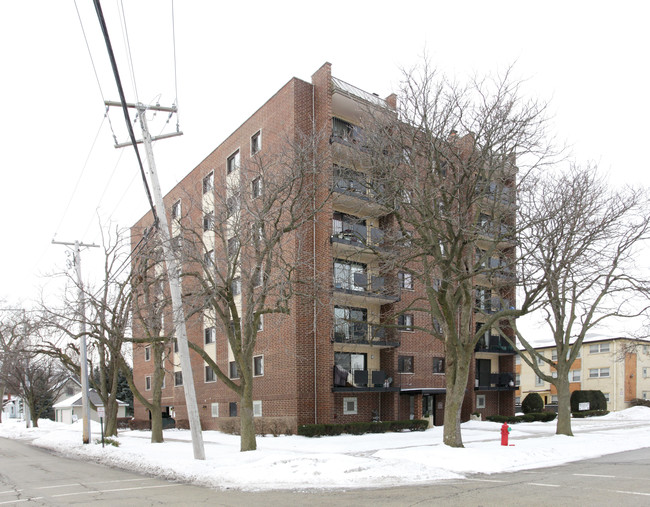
[
  {"x": 619, "y": 367},
  {"x": 314, "y": 365}
]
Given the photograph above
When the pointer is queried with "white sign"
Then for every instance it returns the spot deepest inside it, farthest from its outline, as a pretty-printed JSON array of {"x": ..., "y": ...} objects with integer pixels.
[
  {"x": 583, "y": 406},
  {"x": 100, "y": 411}
]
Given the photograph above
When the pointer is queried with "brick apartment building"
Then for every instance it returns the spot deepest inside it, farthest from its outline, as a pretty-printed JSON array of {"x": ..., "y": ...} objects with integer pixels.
[{"x": 332, "y": 363}]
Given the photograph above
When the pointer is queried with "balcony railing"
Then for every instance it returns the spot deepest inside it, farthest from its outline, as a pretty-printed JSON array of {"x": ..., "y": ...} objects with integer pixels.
[
  {"x": 494, "y": 344},
  {"x": 497, "y": 382},
  {"x": 361, "y": 379},
  {"x": 357, "y": 235},
  {"x": 361, "y": 285},
  {"x": 364, "y": 333}
]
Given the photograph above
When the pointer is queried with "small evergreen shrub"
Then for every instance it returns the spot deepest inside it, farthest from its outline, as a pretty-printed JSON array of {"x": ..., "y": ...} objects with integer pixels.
[
  {"x": 530, "y": 417},
  {"x": 596, "y": 400},
  {"x": 640, "y": 402},
  {"x": 360, "y": 428},
  {"x": 139, "y": 424},
  {"x": 108, "y": 441},
  {"x": 532, "y": 403},
  {"x": 589, "y": 413}
]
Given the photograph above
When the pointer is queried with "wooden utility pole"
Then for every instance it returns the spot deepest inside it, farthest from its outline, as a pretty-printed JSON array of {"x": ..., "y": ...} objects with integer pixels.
[
  {"x": 85, "y": 402},
  {"x": 173, "y": 274}
]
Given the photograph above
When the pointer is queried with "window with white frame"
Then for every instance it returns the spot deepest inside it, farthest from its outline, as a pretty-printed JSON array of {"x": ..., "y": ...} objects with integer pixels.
[
  {"x": 538, "y": 381},
  {"x": 208, "y": 221},
  {"x": 606, "y": 395},
  {"x": 598, "y": 372},
  {"x": 405, "y": 321},
  {"x": 233, "y": 371},
  {"x": 438, "y": 365},
  {"x": 598, "y": 348},
  {"x": 349, "y": 406},
  {"x": 256, "y": 187},
  {"x": 554, "y": 355},
  {"x": 554, "y": 374},
  {"x": 214, "y": 410},
  {"x": 233, "y": 162},
  {"x": 147, "y": 353},
  {"x": 645, "y": 372},
  {"x": 147, "y": 383},
  {"x": 646, "y": 395},
  {"x": 517, "y": 379},
  {"x": 405, "y": 280},
  {"x": 517, "y": 359},
  {"x": 210, "y": 375},
  {"x": 163, "y": 383},
  {"x": 236, "y": 286},
  {"x": 554, "y": 399},
  {"x": 260, "y": 323},
  {"x": 256, "y": 142},
  {"x": 176, "y": 210},
  {"x": 257, "y": 408},
  {"x": 178, "y": 378},
  {"x": 540, "y": 361},
  {"x": 480, "y": 401},
  {"x": 517, "y": 400},
  {"x": 210, "y": 335},
  {"x": 574, "y": 376},
  {"x": 208, "y": 182},
  {"x": 258, "y": 366}
]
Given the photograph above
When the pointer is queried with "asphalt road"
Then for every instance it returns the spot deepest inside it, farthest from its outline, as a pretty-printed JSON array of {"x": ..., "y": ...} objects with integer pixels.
[{"x": 30, "y": 475}]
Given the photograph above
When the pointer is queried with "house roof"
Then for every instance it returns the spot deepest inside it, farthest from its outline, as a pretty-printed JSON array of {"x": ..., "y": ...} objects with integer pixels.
[
  {"x": 591, "y": 338},
  {"x": 75, "y": 400}
]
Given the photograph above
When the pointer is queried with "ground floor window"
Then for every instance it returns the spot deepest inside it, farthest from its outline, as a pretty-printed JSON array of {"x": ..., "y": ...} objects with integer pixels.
[
  {"x": 178, "y": 378},
  {"x": 480, "y": 401},
  {"x": 257, "y": 408},
  {"x": 214, "y": 410},
  {"x": 349, "y": 406},
  {"x": 232, "y": 409}
]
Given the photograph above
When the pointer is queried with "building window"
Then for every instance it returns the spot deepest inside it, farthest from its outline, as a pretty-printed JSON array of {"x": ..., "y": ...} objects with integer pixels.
[
  {"x": 517, "y": 400},
  {"x": 236, "y": 286},
  {"x": 258, "y": 366},
  {"x": 405, "y": 280},
  {"x": 176, "y": 210},
  {"x": 438, "y": 365},
  {"x": 147, "y": 383},
  {"x": 350, "y": 361},
  {"x": 210, "y": 334},
  {"x": 232, "y": 409},
  {"x": 480, "y": 401},
  {"x": 598, "y": 372},
  {"x": 233, "y": 162},
  {"x": 350, "y": 324},
  {"x": 349, "y": 406},
  {"x": 540, "y": 360},
  {"x": 208, "y": 221},
  {"x": 538, "y": 381},
  {"x": 350, "y": 276},
  {"x": 214, "y": 410},
  {"x": 517, "y": 379},
  {"x": 147, "y": 353},
  {"x": 233, "y": 247},
  {"x": 208, "y": 182},
  {"x": 405, "y": 364},
  {"x": 256, "y": 187},
  {"x": 210, "y": 375},
  {"x": 554, "y": 355},
  {"x": 645, "y": 372},
  {"x": 646, "y": 395},
  {"x": 554, "y": 399},
  {"x": 178, "y": 378},
  {"x": 554, "y": 374},
  {"x": 163, "y": 382},
  {"x": 260, "y": 323},
  {"x": 598, "y": 348},
  {"x": 232, "y": 205},
  {"x": 233, "y": 372},
  {"x": 574, "y": 376},
  {"x": 256, "y": 142},
  {"x": 176, "y": 346},
  {"x": 517, "y": 359},
  {"x": 405, "y": 321},
  {"x": 606, "y": 395},
  {"x": 257, "y": 408},
  {"x": 208, "y": 259}
]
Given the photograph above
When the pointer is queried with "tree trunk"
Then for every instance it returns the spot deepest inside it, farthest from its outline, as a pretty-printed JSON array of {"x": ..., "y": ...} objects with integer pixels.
[
  {"x": 247, "y": 425},
  {"x": 110, "y": 423},
  {"x": 2, "y": 397},
  {"x": 156, "y": 426},
  {"x": 563, "y": 405},
  {"x": 457, "y": 374}
]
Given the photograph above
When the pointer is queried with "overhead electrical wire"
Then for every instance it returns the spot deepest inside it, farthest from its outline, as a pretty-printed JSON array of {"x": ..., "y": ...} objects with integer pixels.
[
  {"x": 175, "y": 75},
  {"x": 127, "y": 43},
  {"x": 125, "y": 110}
]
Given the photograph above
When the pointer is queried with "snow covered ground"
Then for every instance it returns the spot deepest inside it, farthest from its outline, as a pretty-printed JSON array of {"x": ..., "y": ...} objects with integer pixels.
[{"x": 293, "y": 462}]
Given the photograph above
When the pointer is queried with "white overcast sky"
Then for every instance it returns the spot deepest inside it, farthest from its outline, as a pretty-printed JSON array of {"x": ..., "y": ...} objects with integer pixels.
[{"x": 589, "y": 59}]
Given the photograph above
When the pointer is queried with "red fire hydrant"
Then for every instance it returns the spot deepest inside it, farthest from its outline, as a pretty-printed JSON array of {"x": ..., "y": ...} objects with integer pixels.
[{"x": 505, "y": 429}]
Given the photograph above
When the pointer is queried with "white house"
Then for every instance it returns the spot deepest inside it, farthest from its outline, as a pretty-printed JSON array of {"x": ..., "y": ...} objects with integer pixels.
[
  {"x": 69, "y": 409},
  {"x": 12, "y": 407}
]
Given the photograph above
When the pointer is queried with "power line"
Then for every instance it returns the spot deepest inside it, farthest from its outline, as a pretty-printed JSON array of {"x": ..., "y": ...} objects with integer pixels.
[
  {"x": 127, "y": 43},
  {"x": 125, "y": 110}
]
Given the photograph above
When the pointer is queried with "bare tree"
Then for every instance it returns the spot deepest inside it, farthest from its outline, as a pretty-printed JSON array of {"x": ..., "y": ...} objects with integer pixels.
[
  {"x": 448, "y": 166},
  {"x": 150, "y": 304},
  {"x": 12, "y": 333},
  {"x": 36, "y": 378},
  {"x": 246, "y": 261},
  {"x": 582, "y": 245},
  {"x": 107, "y": 323}
]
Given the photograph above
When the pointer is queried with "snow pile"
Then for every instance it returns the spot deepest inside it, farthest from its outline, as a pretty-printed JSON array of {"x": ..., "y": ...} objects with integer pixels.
[{"x": 294, "y": 462}]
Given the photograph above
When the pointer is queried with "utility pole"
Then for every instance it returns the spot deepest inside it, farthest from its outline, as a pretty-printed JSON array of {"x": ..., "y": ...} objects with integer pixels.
[
  {"x": 173, "y": 274},
  {"x": 85, "y": 402}
]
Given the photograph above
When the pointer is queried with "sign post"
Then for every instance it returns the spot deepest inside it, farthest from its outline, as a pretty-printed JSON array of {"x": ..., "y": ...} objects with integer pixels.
[{"x": 100, "y": 413}]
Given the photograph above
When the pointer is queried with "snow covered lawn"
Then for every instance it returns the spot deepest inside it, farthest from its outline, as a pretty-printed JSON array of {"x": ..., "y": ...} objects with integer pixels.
[{"x": 294, "y": 462}]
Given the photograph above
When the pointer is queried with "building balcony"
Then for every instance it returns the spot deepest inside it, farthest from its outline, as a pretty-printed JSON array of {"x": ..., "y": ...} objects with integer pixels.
[
  {"x": 496, "y": 382},
  {"x": 362, "y": 333},
  {"x": 492, "y": 305},
  {"x": 353, "y": 193},
  {"x": 362, "y": 290},
  {"x": 361, "y": 381},
  {"x": 356, "y": 242},
  {"x": 495, "y": 345}
]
